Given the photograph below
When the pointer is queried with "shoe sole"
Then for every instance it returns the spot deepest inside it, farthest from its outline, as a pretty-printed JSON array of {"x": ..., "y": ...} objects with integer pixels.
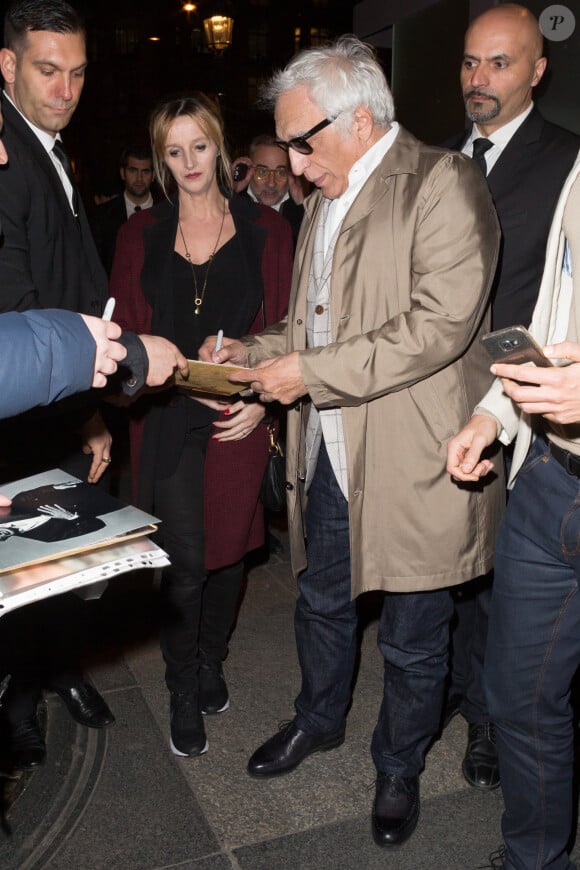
[
  {"x": 223, "y": 709},
  {"x": 181, "y": 754},
  {"x": 270, "y": 774}
]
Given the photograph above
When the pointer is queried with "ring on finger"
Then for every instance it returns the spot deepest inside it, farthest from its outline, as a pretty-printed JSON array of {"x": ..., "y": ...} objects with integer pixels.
[{"x": 106, "y": 459}]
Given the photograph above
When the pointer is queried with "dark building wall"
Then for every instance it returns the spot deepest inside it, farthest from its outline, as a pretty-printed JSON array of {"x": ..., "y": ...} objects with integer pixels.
[
  {"x": 558, "y": 95},
  {"x": 427, "y": 48}
]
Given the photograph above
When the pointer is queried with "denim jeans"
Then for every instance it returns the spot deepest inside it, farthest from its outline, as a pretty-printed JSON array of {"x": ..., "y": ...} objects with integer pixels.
[
  {"x": 532, "y": 653},
  {"x": 413, "y": 638}
]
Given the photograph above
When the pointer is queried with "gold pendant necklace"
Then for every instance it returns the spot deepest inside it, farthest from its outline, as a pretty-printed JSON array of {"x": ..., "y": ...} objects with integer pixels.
[{"x": 199, "y": 297}]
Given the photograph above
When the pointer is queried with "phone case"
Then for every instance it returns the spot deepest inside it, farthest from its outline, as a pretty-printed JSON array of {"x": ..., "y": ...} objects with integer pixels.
[{"x": 514, "y": 345}]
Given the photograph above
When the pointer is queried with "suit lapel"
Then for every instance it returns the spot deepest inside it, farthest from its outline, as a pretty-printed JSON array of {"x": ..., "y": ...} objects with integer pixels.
[
  {"x": 40, "y": 159},
  {"x": 518, "y": 154}
]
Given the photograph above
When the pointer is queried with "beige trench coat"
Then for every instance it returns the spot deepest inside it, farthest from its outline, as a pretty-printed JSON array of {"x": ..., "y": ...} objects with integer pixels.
[{"x": 411, "y": 275}]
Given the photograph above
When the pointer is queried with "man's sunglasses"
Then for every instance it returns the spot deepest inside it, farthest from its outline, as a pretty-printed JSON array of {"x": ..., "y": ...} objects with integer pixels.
[{"x": 299, "y": 143}]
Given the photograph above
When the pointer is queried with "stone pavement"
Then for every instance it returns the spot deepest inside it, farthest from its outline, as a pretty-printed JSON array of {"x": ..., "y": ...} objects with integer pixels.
[{"x": 119, "y": 799}]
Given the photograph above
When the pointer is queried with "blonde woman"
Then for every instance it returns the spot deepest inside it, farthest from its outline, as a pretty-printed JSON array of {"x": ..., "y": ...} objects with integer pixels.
[{"x": 197, "y": 262}]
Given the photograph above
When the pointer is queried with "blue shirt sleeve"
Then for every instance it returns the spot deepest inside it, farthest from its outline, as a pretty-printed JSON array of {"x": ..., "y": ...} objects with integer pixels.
[{"x": 44, "y": 356}]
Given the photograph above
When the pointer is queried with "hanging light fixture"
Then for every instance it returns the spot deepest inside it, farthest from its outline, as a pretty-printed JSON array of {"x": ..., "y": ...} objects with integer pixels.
[{"x": 219, "y": 29}]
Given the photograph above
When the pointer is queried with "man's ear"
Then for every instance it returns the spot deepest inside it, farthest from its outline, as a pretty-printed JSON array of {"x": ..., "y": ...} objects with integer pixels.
[
  {"x": 539, "y": 69},
  {"x": 8, "y": 63},
  {"x": 364, "y": 123},
  {"x": 122, "y": 172}
]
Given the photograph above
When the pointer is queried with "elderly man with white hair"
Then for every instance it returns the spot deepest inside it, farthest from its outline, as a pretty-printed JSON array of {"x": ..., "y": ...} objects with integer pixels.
[{"x": 379, "y": 358}]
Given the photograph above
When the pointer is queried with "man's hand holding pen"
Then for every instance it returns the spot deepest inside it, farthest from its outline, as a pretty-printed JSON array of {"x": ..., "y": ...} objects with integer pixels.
[{"x": 273, "y": 380}]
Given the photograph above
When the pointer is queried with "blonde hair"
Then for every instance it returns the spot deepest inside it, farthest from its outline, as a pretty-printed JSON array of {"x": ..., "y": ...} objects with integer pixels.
[{"x": 206, "y": 113}]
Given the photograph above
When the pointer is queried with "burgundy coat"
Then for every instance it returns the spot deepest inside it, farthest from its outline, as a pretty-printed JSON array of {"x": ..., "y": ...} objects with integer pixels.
[{"x": 234, "y": 522}]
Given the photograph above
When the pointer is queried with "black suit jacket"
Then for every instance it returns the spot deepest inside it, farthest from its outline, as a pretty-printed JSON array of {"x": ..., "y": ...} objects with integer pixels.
[
  {"x": 48, "y": 257},
  {"x": 525, "y": 184},
  {"x": 289, "y": 210},
  {"x": 107, "y": 220}
]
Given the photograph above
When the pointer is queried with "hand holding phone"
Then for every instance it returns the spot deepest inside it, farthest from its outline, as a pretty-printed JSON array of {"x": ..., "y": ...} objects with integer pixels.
[
  {"x": 514, "y": 345},
  {"x": 240, "y": 171}
]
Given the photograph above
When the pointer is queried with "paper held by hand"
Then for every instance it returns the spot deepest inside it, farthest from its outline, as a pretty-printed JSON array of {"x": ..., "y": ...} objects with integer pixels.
[{"x": 211, "y": 378}]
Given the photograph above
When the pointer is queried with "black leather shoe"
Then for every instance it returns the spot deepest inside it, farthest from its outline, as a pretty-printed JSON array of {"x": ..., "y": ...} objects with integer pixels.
[
  {"x": 213, "y": 691},
  {"x": 85, "y": 705},
  {"x": 25, "y": 744},
  {"x": 288, "y": 748},
  {"x": 395, "y": 809},
  {"x": 480, "y": 767}
]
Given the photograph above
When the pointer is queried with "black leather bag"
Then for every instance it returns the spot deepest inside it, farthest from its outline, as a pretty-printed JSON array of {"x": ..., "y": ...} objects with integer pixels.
[{"x": 273, "y": 489}]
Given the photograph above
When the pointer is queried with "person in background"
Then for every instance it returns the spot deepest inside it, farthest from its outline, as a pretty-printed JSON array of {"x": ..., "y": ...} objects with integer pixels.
[
  {"x": 48, "y": 260},
  {"x": 198, "y": 261},
  {"x": 378, "y": 355},
  {"x": 268, "y": 179},
  {"x": 136, "y": 171},
  {"x": 525, "y": 160},
  {"x": 533, "y": 644}
]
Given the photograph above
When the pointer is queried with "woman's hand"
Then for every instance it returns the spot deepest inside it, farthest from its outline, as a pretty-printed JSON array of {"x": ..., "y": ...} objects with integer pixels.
[
  {"x": 97, "y": 440},
  {"x": 244, "y": 417},
  {"x": 214, "y": 404}
]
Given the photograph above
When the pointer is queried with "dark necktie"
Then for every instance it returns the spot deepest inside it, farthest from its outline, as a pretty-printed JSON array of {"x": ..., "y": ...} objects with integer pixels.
[
  {"x": 137, "y": 208},
  {"x": 59, "y": 151},
  {"x": 480, "y": 146}
]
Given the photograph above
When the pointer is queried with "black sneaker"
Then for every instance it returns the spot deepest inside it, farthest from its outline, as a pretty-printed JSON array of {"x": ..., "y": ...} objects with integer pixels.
[
  {"x": 186, "y": 724},
  {"x": 213, "y": 691}
]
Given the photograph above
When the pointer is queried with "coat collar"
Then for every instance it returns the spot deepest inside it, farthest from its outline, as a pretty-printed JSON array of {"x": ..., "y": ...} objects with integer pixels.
[{"x": 402, "y": 158}]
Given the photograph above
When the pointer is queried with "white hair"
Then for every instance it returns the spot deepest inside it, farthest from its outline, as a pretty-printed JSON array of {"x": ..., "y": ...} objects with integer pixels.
[{"x": 341, "y": 77}]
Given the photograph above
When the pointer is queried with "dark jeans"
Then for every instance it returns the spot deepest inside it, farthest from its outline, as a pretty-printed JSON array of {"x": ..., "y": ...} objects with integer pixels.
[
  {"x": 198, "y": 607},
  {"x": 468, "y": 642},
  {"x": 413, "y": 639},
  {"x": 532, "y": 653}
]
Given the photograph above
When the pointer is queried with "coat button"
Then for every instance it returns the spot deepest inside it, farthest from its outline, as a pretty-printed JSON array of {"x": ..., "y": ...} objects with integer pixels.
[
  {"x": 289, "y": 486},
  {"x": 299, "y": 321},
  {"x": 319, "y": 309}
]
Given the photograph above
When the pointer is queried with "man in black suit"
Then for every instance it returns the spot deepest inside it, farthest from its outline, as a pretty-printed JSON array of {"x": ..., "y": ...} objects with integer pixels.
[
  {"x": 526, "y": 160},
  {"x": 270, "y": 181},
  {"x": 136, "y": 171},
  {"x": 48, "y": 259}
]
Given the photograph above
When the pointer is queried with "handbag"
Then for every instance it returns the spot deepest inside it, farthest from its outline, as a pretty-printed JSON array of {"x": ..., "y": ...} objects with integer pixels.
[{"x": 273, "y": 488}]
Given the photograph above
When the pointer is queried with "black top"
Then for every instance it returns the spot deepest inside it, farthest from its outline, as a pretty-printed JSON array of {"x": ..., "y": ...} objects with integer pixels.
[
  {"x": 225, "y": 301},
  {"x": 229, "y": 303}
]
